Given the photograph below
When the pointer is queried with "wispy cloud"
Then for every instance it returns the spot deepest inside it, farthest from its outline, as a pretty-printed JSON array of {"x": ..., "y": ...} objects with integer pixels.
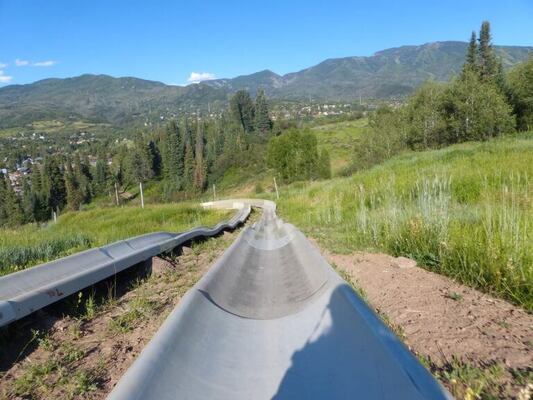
[
  {"x": 5, "y": 78},
  {"x": 21, "y": 63},
  {"x": 2, "y": 65},
  {"x": 197, "y": 77},
  {"x": 47, "y": 63}
]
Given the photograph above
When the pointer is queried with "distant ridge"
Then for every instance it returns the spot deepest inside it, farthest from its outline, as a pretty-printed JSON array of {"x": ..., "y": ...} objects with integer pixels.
[{"x": 120, "y": 101}]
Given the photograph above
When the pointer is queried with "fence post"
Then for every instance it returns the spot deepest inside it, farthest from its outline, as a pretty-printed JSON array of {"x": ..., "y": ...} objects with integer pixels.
[
  {"x": 276, "y": 186},
  {"x": 116, "y": 193},
  {"x": 142, "y": 196}
]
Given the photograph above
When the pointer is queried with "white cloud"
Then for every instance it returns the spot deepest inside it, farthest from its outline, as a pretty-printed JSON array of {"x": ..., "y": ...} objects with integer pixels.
[
  {"x": 21, "y": 63},
  {"x": 197, "y": 77},
  {"x": 5, "y": 78},
  {"x": 2, "y": 65},
  {"x": 48, "y": 63}
]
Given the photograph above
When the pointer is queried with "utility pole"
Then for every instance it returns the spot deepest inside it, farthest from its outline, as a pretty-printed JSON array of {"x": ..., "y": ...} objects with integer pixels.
[
  {"x": 214, "y": 192},
  {"x": 276, "y": 186},
  {"x": 142, "y": 197},
  {"x": 116, "y": 193}
]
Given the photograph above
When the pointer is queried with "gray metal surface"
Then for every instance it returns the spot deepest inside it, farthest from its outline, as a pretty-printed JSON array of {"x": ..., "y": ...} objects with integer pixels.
[
  {"x": 26, "y": 291},
  {"x": 272, "y": 319}
]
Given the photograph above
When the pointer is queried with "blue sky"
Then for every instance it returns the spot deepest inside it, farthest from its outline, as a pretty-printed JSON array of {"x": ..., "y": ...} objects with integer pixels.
[{"x": 170, "y": 40}]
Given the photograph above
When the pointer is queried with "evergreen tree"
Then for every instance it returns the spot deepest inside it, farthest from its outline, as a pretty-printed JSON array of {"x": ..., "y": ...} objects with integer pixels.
[
  {"x": 242, "y": 110},
  {"x": 73, "y": 188},
  {"x": 3, "y": 192},
  {"x": 12, "y": 207},
  {"x": 84, "y": 178},
  {"x": 173, "y": 155},
  {"x": 188, "y": 164},
  {"x": 36, "y": 179},
  {"x": 200, "y": 167},
  {"x": 154, "y": 158},
  {"x": 263, "y": 123},
  {"x": 101, "y": 177},
  {"x": 471, "y": 62},
  {"x": 488, "y": 63},
  {"x": 55, "y": 184}
]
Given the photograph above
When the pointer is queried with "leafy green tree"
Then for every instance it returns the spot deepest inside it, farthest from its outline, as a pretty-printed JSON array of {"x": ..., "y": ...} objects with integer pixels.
[
  {"x": 294, "y": 155},
  {"x": 242, "y": 110},
  {"x": 425, "y": 125},
  {"x": 521, "y": 93},
  {"x": 387, "y": 138},
  {"x": 263, "y": 123},
  {"x": 475, "y": 110}
]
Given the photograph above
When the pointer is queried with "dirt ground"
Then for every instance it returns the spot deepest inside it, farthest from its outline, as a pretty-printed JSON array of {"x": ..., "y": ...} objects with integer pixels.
[
  {"x": 83, "y": 355},
  {"x": 460, "y": 333}
]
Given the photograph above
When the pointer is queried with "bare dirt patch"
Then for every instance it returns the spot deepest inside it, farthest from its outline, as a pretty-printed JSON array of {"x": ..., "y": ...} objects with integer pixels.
[
  {"x": 84, "y": 356},
  {"x": 478, "y": 346}
]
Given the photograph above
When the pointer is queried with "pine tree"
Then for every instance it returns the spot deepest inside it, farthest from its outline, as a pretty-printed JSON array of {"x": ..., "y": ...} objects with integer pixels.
[
  {"x": 471, "y": 62},
  {"x": 154, "y": 158},
  {"x": 173, "y": 155},
  {"x": 242, "y": 110},
  {"x": 199, "y": 168},
  {"x": 263, "y": 123},
  {"x": 3, "y": 190},
  {"x": 101, "y": 176},
  {"x": 488, "y": 63},
  {"x": 55, "y": 184},
  {"x": 73, "y": 188},
  {"x": 188, "y": 164},
  {"x": 12, "y": 207}
]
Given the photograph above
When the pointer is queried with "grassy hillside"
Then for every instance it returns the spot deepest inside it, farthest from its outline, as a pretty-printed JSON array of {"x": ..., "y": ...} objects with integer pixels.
[
  {"x": 339, "y": 139},
  {"x": 465, "y": 211},
  {"x": 77, "y": 231}
]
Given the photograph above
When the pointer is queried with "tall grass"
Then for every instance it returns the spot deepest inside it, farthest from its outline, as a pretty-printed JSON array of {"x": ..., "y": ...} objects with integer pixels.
[
  {"x": 76, "y": 231},
  {"x": 465, "y": 211}
]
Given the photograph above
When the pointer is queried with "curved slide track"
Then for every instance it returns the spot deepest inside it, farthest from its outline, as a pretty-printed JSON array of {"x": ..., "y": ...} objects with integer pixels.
[
  {"x": 272, "y": 319},
  {"x": 29, "y": 290}
]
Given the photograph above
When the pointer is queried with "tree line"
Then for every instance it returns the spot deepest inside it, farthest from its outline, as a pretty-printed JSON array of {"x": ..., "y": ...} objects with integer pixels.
[
  {"x": 185, "y": 156},
  {"x": 480, "y": 103}
]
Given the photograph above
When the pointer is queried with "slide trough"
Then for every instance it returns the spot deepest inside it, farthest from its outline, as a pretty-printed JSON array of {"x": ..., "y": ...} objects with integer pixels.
[{"x": 273, "y": 320}]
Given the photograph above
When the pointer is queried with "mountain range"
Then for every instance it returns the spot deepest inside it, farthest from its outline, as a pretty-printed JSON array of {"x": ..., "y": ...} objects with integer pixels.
[{"x": 101, "y": 98}]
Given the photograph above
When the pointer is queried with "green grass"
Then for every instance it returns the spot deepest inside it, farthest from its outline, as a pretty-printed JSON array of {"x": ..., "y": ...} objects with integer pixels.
[
  {"x": 338, "y": 139},
  {"x": 465, "y": 211},
  {"x": 75, "y": 231}
]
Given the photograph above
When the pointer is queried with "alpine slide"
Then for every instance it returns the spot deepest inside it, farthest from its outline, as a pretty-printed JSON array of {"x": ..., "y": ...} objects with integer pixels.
[{"x": 270, "y": 320}]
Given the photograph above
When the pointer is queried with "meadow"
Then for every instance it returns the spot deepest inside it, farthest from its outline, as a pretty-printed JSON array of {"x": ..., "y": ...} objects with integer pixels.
[
  {"x": 75, "y": 231},
  {"x": 465, "y": 211},
  {"x": 339, "y": 139}
]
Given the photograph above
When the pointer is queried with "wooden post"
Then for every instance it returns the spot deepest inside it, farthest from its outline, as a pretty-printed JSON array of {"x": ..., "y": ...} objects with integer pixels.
[
  {"x": 55, "y": 216},
  {"x": 214, "y": 193},
  {"x": 142, "y": 197},
  {"x": 276, "y": 186},
  {"x": 116, "y": 193}
]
